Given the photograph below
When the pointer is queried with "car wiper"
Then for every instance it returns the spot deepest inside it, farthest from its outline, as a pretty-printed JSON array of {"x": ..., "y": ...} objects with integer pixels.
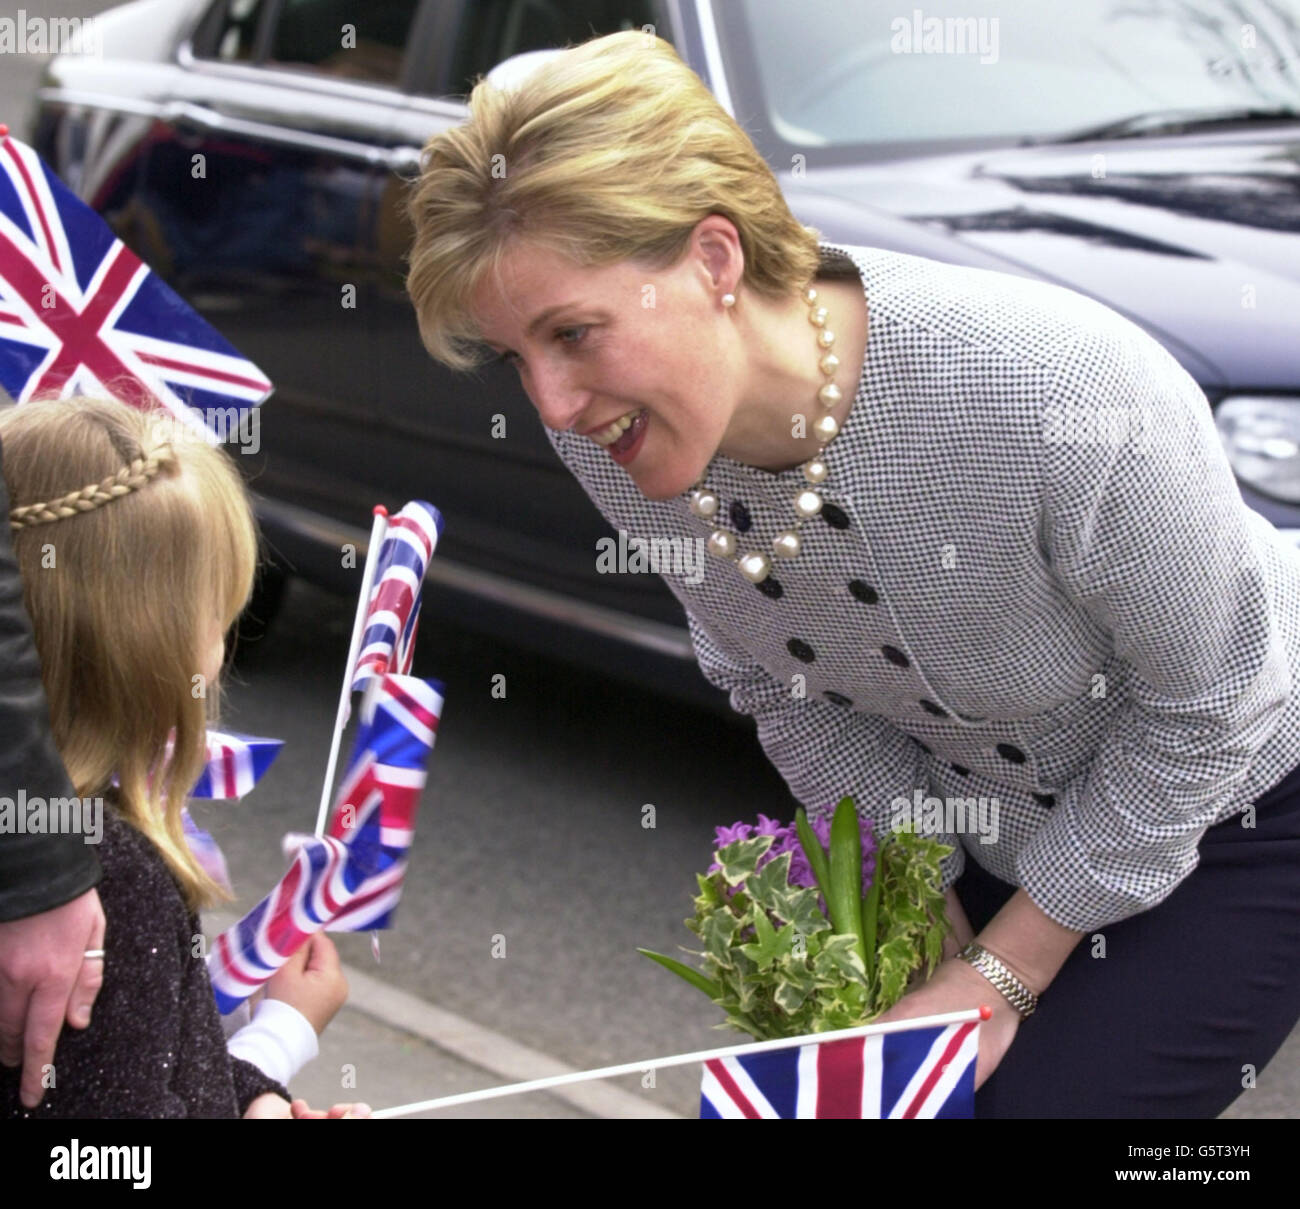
[{"x": 1166, "y": 121}]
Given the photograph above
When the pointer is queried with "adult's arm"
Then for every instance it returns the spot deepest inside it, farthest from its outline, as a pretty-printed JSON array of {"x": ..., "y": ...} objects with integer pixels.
[
  {"x": 1151, "y": 537},
  {"x": 49, "y": 911},
  {"x": 37, "y": 872}
]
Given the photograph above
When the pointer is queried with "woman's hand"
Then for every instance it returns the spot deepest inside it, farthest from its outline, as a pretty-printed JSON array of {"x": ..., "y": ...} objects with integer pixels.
[
  {"x": 312, "y": 981},
  {"x": 954, "y": 987},
  {"x": 962, "y": 933}
]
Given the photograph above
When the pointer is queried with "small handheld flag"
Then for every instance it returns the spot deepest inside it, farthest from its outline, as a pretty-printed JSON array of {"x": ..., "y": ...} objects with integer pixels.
[
  {"x": 392, "y": 613},
  {"x": 388, "y": 607},
  {"x": 235, "y": 764},
  {"x": 80, "y": 313},
  {"x": 351, "y": 879}
]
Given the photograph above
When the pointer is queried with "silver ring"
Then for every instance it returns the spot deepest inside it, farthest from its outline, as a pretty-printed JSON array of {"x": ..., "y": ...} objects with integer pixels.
[{"x": 95, "y": 953}]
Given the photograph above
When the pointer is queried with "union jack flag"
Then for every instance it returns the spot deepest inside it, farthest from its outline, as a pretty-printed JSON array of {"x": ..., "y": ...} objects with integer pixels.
[
  {"x": 82, "y": 314},
  {"x": 913, "y": 1073},
  {"x": 351, "y": 878},
  {"x": 235, "y": 764},
  {"x": 393, "y": 614}
]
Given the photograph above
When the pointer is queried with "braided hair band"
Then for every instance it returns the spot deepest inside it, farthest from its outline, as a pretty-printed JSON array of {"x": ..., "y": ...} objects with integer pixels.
[{"x": 139, "y": 473}]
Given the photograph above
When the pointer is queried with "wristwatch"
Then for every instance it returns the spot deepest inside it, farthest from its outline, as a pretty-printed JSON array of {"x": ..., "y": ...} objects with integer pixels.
[{"x": 994, "y": 969}]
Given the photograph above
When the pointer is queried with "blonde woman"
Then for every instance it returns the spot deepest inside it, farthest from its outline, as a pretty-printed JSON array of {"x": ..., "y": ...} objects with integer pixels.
[
  {"x": 136, "y": 545},
  {"x": 924, "y": 594}
]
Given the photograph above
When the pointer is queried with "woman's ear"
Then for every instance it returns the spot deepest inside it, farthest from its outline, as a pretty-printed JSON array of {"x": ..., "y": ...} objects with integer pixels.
[{"x": 715, "y": 243}]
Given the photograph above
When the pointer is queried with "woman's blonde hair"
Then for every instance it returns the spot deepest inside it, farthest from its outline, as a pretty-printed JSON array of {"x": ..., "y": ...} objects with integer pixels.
[
  {"x": 613, "y": 150},
  {"x": 130, "y": 530}
]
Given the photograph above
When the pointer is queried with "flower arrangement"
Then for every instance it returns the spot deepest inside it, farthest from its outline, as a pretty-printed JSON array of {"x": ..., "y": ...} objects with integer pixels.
[{"x": 813, "y": 927}]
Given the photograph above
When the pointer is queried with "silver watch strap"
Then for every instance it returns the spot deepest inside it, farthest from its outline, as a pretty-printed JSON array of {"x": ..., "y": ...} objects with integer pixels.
[{"x": 995, "y": 970}]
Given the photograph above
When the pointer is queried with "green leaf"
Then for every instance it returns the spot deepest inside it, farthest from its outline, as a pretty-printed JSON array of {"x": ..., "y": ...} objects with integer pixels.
[
  {"x": 694, "y": 977},
  {"x": 740, "y": 859},
  {"x": 870, "y": 916},
  {"x": 790, "y": 997},
  {"x": 799, "y": 907},
  {"x": 769, "y": 944},
  {"x": 845, "y": 898},
  {"x": 814, "y": 852},
  {"x": 717, "y": 933},
  {"x": 769, "y": 885}
]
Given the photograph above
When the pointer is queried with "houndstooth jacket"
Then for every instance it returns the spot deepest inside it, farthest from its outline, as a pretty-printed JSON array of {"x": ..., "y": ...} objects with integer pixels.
[{"x": 1034, "y": 580}]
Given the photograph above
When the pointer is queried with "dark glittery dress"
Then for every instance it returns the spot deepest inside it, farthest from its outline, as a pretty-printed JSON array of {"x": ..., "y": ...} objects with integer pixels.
[{"x": 155, "y": 1046}]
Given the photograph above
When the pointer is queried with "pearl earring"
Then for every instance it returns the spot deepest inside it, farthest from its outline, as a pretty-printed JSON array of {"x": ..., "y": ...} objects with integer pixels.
[{"x": 728, "y": 300}]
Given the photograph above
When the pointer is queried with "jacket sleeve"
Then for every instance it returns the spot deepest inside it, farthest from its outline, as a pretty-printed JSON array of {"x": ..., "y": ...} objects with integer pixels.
[
  {"x": 1145, "y": 528},
  {"x": 37, "y": 872},
  {"x": 823, "y": 751}
]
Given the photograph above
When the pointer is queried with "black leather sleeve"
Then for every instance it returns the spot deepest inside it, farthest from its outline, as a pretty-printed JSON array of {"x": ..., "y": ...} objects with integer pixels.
[{"x": 37, "y": 872}]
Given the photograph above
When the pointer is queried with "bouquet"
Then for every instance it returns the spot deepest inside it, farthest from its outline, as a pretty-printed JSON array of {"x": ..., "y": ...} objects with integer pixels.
[{"x": 800, "y": 938}]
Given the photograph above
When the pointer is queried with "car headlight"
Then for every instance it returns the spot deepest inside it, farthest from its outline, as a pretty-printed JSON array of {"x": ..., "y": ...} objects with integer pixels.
[{"x": 1261, "y": 434}]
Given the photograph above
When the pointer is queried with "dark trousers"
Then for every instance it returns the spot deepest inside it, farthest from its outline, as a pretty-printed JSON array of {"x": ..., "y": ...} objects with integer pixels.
[{"x": 1190, "y": 998}]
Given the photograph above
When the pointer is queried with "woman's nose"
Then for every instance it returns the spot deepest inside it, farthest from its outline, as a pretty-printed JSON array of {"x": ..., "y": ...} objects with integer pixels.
[{"x": 558, "y": 400}]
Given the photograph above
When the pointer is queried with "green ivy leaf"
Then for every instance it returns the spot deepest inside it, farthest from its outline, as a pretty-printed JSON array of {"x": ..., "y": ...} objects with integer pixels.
[
  {"x": 769, "y": 944},
  {"x": 740, "y": 859}
]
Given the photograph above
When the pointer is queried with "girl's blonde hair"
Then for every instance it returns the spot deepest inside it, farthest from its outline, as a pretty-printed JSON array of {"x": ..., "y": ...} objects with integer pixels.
[
  {"x": 130, "y": 532},
  {"x": 614, "y": 150}
]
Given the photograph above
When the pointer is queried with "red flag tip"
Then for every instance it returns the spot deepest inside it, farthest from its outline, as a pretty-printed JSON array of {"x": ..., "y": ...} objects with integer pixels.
[
  {"x": 986, "y": 1012},
  {"x": 379, "y": 510}
]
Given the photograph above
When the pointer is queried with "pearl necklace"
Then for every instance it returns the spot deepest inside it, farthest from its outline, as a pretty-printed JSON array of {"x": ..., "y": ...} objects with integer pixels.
[{"x": 704, "y": 503}]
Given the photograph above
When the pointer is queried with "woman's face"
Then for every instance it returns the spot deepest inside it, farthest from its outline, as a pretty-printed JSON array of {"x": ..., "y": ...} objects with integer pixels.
[{"x": 619, "y": 347}]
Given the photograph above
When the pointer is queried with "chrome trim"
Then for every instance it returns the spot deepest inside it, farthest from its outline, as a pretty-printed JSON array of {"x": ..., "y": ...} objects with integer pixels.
[
  {"x": 713, "y": 55},
  {"x": 649, "y": 635},
  {"x": 393, "y": 97},
  {"x": 307, "y": 80},
  {"x": 396, "y": 159},
  {"x": 99, "y": 100}
]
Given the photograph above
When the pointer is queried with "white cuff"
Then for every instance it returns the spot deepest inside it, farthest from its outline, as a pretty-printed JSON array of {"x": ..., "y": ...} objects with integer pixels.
[{"x": 279, "y": 1042}]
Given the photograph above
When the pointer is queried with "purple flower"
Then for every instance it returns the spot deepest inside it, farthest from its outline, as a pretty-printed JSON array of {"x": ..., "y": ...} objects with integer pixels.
[{"x": 786, "y": 839}]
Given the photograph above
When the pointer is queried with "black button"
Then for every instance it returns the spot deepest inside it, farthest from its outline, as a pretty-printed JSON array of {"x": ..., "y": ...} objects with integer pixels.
[
  {"x": 862, "y": 591},
  {"x": 1047, "y": 799},
  {"x": 834, "y": 516},
  {"x": 1014, "y": 754},
  {"x": 838, "y": 698},
  {"x": 801, "y": 650},
  {"x": 930, "y": 707},
  {"x": 770, "y": 587},
  {"x": 959, "y": 770},
  {"x": 894, "y": 655},
  {"x": 740, "y": 517}
]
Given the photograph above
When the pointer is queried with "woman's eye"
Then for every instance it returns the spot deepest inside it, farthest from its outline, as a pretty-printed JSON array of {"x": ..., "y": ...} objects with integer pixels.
[{"x": 564, "y": 332}]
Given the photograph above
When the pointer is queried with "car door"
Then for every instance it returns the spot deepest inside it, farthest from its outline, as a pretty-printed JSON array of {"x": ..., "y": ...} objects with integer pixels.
[{"x": 259, "y": 199}]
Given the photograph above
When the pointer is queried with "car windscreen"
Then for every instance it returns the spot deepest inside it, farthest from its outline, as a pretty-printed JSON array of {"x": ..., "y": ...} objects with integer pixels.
[{"x": 850, "y": 78}]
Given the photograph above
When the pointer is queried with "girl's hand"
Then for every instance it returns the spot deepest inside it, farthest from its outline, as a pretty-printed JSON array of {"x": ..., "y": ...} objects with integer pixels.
[
  {"x": 312, "y": 981},
  {"x": 269, "y": 1107},
  {"x": 962, "y": 933},
  {"x": 340, "y": 1112},
  {"x": 956, "y": 987}
]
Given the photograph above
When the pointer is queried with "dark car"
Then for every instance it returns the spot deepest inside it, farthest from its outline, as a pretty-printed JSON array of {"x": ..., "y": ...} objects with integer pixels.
[{"x": 256, "y": 152}]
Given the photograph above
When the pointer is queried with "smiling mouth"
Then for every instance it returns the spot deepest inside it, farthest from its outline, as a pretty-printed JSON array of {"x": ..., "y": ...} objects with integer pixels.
[{"x": 605, "y": 437}]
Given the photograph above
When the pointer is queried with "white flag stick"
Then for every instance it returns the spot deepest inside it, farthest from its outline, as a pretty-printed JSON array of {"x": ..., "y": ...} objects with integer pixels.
[
  {"x": 704, "y": 1055},
  {"x": 377, "y": 530}
]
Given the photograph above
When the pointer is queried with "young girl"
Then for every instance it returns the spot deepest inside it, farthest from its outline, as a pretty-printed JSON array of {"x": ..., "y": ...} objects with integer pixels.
[{"x": 137, "y": 549}]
